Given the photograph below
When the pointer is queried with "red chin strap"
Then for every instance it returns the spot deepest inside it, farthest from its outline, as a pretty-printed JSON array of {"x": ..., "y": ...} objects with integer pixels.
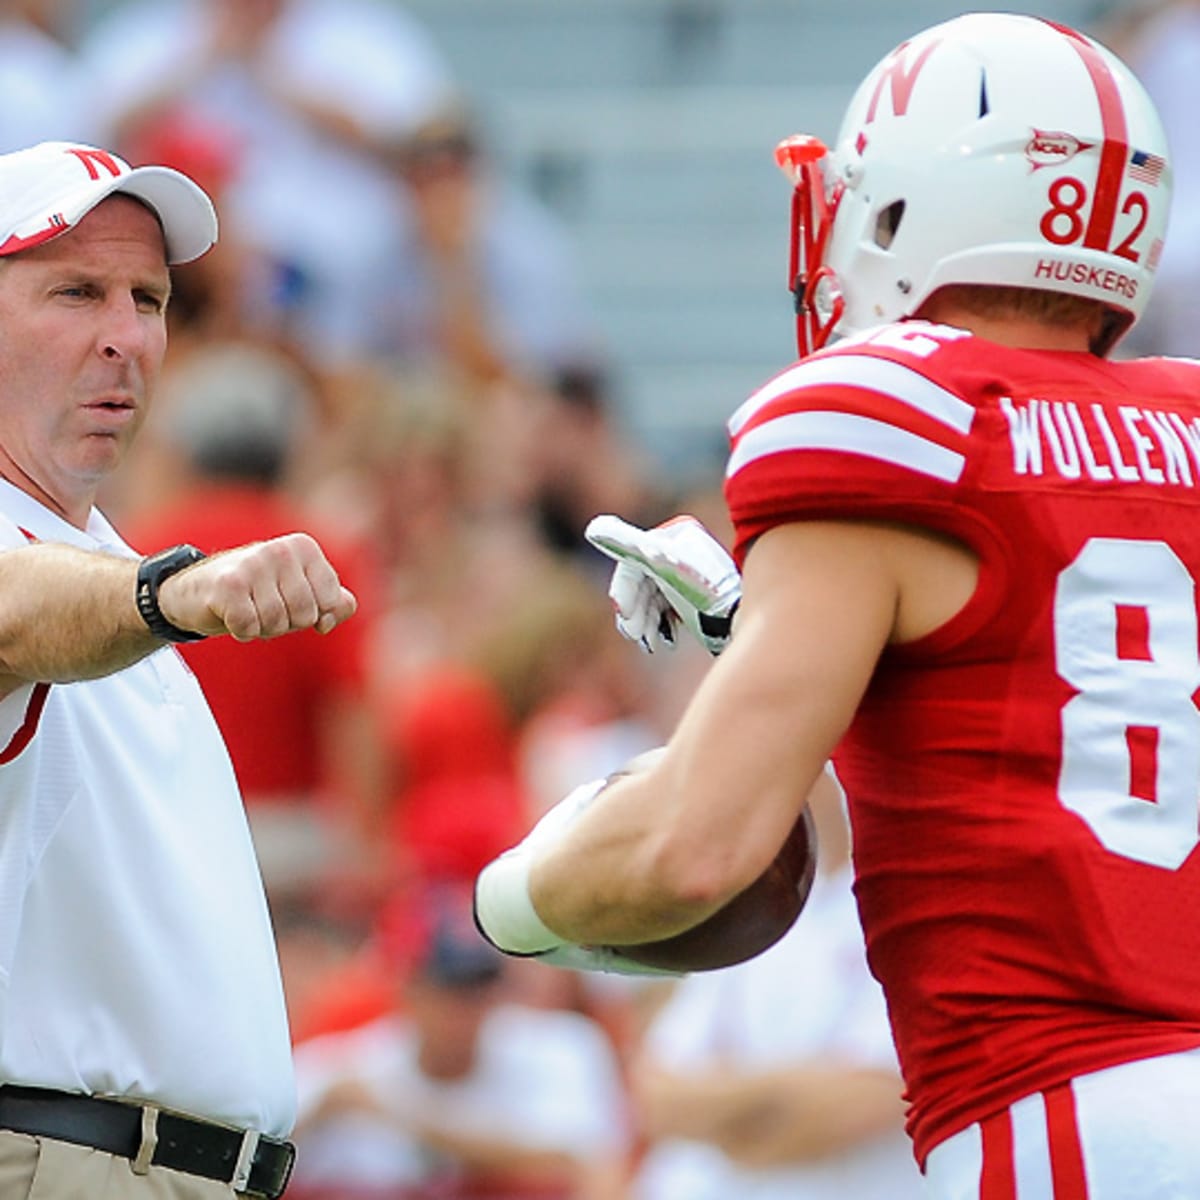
[{"x": 801, "y": 158}]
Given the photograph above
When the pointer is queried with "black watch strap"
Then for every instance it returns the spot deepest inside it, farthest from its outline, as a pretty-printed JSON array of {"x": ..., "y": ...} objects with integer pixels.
[{"x": 154, "y": 569}]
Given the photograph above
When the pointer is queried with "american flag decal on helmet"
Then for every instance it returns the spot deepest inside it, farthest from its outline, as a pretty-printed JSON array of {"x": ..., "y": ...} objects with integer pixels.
[{"x": 1146, "y": 168}]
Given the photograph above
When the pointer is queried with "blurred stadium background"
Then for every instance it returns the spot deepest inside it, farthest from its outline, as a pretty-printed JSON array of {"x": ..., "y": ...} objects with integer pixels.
[{"x": 648, "y": 126}]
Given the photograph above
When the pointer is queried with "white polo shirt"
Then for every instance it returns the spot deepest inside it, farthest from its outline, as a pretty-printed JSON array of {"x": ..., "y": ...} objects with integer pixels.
[{"x": 136, "y": 952}]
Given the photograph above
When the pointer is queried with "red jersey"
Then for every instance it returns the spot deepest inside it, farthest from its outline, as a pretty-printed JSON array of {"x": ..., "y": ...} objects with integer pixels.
[{"x": 1024, "y": 783}]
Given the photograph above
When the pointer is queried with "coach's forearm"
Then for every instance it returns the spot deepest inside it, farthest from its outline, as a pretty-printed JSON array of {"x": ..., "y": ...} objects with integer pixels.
[{"x": 67, "y": 614}]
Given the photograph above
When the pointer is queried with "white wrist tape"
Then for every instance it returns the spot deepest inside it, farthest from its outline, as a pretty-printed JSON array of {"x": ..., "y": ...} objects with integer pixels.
[
  {"x": 503, "y": 909},
  {"x": 507, "y": 918}
]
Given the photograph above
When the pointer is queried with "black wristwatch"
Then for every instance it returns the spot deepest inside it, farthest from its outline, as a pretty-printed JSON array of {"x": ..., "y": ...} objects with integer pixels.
[{"x": 153, "y": 570}]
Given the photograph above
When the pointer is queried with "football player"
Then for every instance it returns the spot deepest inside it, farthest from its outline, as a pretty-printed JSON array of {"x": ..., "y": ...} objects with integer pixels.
[{"x": 969, "y": 541}]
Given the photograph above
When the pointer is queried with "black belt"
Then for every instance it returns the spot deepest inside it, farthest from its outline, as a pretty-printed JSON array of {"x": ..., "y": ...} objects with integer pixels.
[{"x": 251, "y": 1162}]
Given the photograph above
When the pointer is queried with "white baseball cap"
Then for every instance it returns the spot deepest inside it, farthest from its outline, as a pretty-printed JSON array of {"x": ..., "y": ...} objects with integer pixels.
[{"x": 49, "y": 188}]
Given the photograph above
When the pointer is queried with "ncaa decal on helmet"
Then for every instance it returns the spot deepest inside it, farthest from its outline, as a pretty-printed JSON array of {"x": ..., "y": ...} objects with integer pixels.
[{"x": 992, "y": 149}]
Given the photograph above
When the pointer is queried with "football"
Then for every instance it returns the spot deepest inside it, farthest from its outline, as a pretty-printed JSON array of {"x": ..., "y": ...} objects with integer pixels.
[{"x": 753, "y": 920}]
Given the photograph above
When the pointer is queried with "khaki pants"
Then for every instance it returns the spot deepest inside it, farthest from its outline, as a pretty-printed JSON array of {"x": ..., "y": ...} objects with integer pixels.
[{"x": 40, "y": 1169}]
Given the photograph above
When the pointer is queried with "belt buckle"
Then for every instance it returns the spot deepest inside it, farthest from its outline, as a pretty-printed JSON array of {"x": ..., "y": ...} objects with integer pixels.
[{"x": 245, "y": 1160}]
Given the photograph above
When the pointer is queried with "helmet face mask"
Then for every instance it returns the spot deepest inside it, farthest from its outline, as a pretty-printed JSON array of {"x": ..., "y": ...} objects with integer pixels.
[
  {"x": 993, "y": 149},
  {"x": 815, "y": 199}
]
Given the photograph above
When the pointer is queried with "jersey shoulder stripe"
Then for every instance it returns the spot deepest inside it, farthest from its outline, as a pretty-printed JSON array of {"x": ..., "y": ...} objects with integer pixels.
[
  {"x": 859, "y": 404},
  {"x": 866, "y": 371},
  {"x": 847, "y": 433}
]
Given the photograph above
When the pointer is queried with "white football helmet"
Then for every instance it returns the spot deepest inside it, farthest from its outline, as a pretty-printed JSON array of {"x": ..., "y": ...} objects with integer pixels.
[{"x": 991, "y": 149}]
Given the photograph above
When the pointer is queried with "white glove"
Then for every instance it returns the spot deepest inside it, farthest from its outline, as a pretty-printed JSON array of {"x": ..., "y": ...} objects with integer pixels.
[
  {"x": 504, "y": 912},
  {"x": 675, "y": 572}
]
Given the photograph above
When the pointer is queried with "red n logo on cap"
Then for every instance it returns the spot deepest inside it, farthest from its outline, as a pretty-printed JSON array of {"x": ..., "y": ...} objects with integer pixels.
[
  {"x": 93, "y": 160},
  {"x": 900, "y": 80}
]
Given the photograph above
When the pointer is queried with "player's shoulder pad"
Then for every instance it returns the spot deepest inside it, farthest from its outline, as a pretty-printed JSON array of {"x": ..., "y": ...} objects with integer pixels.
[
  {"x": 1161, "y": 375},
  {"x": 897, "y": 394}
]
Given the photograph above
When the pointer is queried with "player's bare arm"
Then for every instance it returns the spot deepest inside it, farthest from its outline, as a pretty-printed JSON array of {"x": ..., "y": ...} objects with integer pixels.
[
  {"x": 68, "y": 614},
  {"x": 669, "y": 846}
]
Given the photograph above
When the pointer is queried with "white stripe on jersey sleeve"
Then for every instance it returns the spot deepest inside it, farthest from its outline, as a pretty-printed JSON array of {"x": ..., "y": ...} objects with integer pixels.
[
  {"x": 850, "y": 433},
  {"x": 862, "y": 371}
]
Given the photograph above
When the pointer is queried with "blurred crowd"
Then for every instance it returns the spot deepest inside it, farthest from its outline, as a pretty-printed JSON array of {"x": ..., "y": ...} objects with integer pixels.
[{"x": 391, "y": 347}]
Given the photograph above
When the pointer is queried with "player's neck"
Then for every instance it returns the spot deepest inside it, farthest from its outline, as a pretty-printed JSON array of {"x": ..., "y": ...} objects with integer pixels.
[{"x": 1022, "y": 333}]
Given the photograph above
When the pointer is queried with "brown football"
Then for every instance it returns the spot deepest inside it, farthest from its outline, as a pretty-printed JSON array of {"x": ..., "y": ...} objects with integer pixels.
[{"x": 753, "y": 920}]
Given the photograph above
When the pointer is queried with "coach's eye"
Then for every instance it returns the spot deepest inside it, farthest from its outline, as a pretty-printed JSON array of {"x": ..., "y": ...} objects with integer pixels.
[{"x": 150, "y": 301}]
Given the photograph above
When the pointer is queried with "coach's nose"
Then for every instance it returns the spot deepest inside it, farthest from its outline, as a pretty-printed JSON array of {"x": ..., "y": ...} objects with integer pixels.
[{"x": 124, "y": 333}]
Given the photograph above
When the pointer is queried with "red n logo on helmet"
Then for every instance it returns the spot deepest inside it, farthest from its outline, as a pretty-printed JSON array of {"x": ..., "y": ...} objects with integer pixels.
[
  {"x": 900, "y": 79},
  {"x": 93, "y": 160}
]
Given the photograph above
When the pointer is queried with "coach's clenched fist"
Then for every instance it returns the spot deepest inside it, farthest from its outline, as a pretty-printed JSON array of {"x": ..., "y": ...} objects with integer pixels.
[
  {"x": 68, "y": 614},
  {"x": 261, "y": 590}
]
